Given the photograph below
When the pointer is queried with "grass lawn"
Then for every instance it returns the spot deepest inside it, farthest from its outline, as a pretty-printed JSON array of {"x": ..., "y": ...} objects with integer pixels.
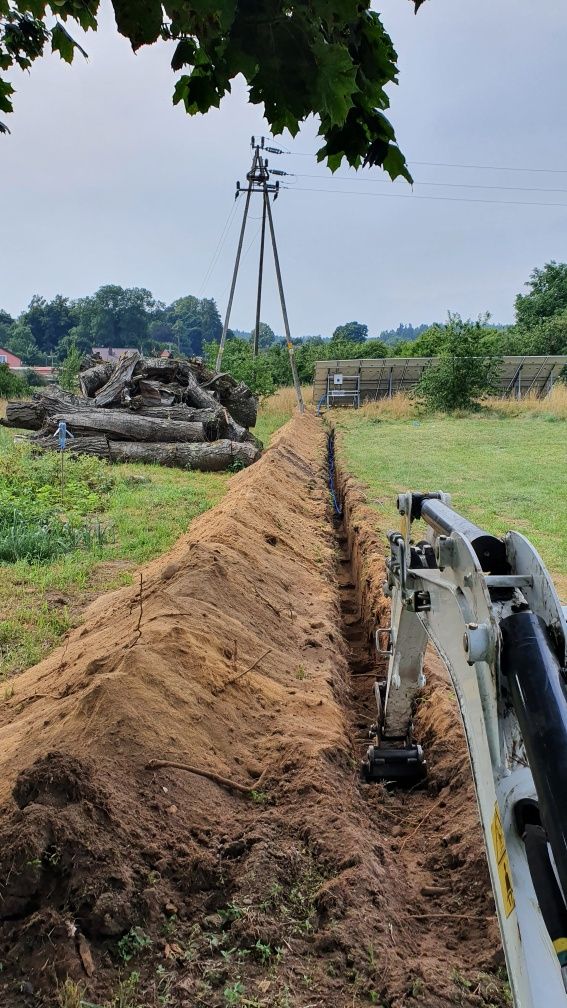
[
  {"x": 145, "y": 510},
  {"x": 502, "y": 472}
]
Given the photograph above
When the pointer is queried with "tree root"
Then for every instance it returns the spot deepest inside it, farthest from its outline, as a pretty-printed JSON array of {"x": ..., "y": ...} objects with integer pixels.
[{"x": 216, "y": 778}]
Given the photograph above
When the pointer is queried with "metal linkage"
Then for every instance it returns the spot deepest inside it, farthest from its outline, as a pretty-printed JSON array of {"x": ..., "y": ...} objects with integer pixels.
[{"x": 489, "y": 607}]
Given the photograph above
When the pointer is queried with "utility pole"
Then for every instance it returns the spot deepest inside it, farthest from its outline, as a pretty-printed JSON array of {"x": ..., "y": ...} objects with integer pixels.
[
  {"x": 238, "y": 254},
  {"x": 260, "y": 278},
  {"x": 289, "y": 344},
  {"x": 258, "y": 179}
]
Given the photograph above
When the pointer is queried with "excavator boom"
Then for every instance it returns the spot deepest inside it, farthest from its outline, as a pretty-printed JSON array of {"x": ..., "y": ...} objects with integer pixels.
[{"x": 489, "y": 607}]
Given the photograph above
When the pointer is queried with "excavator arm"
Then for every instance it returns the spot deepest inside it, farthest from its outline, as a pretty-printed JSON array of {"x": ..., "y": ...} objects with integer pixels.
[{"x": 489, "y": 607}]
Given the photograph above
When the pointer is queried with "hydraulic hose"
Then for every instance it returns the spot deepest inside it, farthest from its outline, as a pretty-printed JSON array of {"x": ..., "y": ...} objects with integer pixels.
[{"x": 539, "y": 696}]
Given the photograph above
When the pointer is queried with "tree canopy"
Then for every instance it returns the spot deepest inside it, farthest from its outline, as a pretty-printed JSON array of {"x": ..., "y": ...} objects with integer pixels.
[
  {"x": 330, "y": 58},
  {"x": 547, "y": 296},
  {"x": 355, "y": 332}
]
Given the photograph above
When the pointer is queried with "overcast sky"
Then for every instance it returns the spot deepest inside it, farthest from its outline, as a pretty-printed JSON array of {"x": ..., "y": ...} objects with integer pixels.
[{"x": 104, "y": 181}]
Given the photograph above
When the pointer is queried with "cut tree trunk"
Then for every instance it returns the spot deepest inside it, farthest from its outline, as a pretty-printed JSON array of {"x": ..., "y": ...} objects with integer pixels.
[
  {"x": 24, "y": 415},
  {"x": 240, "y": 402},
  {"x": 154, "y": 393},
  {"x": 94, "y": 378},
  {"x": 78, "y": 446},
  {"x": 242, "y": 405},
  {"x": 198, "y": 396},
  {"x": 32, "y": 415},
  {"x": 187, "y": 413},
  {"x": 163, "y": 369},
  {"x": 214, "y": 421},
  {"x": 117, "y": 383},
  {"x": 207, "y": 457},
  {"x": 122, "y": 425}
]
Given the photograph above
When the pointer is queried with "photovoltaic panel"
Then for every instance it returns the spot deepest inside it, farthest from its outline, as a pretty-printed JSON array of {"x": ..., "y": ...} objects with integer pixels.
[{"x": 380, "y": 377}]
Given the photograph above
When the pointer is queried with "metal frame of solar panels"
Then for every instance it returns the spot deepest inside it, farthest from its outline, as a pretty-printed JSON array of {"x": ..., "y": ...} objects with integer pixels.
[
  {"x": 343, "y": 387},
  {"x": 379, "y": 378}
]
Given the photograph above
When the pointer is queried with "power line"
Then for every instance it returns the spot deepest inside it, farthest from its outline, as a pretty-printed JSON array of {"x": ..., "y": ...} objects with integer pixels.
[
  {"x": 220, "y": 243},
  {"x": 442, "y": 164},
  {"x": 440, "y": 185},
  {"x": 446, "y": 164},
  {"x": 415, "y": 196}
]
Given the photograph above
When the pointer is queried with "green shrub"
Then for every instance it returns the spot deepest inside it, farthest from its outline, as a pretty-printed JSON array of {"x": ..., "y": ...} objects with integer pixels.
[
  {"x": 25, "y": 536},
  {"x": 35, "y": 523},
  {"x": 462, "y": 374},
  {"x": 10, "y": 384}
]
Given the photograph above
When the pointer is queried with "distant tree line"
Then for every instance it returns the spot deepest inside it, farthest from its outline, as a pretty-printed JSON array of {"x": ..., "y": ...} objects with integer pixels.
[
  {"x": 131, "y": 317},
  {"x": 112, "y": 317}
]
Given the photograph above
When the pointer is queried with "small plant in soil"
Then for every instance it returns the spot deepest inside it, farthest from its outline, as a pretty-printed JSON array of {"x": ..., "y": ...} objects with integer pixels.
[
  {"x": 233, "y": 995},
  {"x": 169, "y": 926},
  {"x": 231, "y": 912},
  {"x": 264, "y": 952},
  {"x": 417, "y": 988},
  {"x": 132, "y": 944},
  {"x": 70, "y": 995},
  {"x": 259, "y": 797},
  {"x": 127, "y": 993}
]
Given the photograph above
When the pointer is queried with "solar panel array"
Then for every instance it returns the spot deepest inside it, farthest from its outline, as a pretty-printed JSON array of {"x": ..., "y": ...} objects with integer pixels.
[{"x": 380, "y": 377}]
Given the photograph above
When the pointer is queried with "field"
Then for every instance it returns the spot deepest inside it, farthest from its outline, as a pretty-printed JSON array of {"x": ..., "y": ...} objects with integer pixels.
[
  {"x": 145, "y": 510},
  {"x": 503, "y": 472},
  {"x": 502, "y": 467},
  {"x": 183, "y": 821}
]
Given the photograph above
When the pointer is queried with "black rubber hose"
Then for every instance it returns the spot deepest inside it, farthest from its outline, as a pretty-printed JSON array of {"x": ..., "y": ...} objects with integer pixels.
[{"x": 537, "y": 687}]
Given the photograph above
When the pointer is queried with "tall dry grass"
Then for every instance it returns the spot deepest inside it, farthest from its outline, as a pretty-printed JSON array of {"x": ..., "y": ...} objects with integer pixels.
[
  {"x": 553, "y": 404},
  {"x": 403, "y": 406},
  {"x": 284, "y": 401},
  {"x": 399, "y": 407}
]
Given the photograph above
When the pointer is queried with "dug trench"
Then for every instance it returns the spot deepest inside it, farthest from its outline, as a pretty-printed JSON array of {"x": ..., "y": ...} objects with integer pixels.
[{"x": 243, "y": 653}]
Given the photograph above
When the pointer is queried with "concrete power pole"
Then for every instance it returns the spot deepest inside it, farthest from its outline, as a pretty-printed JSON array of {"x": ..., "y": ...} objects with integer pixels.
[{"x": 258, "y": 180}]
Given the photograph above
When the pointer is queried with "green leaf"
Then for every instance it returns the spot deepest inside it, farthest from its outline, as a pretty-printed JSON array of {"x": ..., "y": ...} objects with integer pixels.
[
  {"x": 138, "y": 20},
  {"x": 395, "y": 164},
  {"x": 184, "y": 54},
  {"x": 337, "y": 81},
  {"x": 65, "y": 44},
  {"x": 5, "y": 91}
]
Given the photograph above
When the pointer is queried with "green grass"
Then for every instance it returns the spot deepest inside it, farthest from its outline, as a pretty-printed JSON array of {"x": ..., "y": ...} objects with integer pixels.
[
  {"x": 501, "y": 473},
  {"x": 145, "y": 508},
  {"x": 40, "y": 601}
]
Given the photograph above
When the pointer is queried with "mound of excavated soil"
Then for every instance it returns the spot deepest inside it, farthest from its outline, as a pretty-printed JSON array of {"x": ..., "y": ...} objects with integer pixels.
[{"x": 162, "y": 887}]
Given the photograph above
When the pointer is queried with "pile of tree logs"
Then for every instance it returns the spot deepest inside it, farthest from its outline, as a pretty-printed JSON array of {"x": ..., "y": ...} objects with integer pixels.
[{"x": 176, "y": 413}]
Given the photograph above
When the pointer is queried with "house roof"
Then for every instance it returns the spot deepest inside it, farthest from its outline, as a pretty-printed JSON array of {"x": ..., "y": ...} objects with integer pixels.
[{"x": 111, "y": 353}]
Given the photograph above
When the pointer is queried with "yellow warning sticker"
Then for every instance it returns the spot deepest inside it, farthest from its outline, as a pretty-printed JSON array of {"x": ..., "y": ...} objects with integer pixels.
[{"x": 501, "y": 853}]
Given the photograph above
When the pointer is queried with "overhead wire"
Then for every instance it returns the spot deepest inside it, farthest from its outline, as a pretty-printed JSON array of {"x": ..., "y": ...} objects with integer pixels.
[
  {"x": 218, "y": 250},
  {"x": 416, "y": 196},
  {"x": 447, "y": 164},
  {"x": 246, "y": 251},
  {"x": 440, "y": 185},
  {"x": 443, "y": 164}
]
